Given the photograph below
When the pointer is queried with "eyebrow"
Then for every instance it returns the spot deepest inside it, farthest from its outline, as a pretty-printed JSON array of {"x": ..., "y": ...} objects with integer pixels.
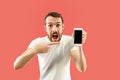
[{"x": 53, "y": 23}]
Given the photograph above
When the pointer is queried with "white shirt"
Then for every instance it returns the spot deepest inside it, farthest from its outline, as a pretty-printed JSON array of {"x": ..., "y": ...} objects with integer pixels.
[{"x": 55, "y": 65}]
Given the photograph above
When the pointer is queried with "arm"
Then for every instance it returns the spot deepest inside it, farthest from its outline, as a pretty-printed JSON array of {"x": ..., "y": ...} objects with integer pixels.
[
  {"x": 78, "y": 55},
  {"x": 79, "y": 59},
  {"x": 24, "y": 58}
]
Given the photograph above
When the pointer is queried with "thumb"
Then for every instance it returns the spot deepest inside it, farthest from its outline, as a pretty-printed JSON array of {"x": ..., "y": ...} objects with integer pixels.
[{"x": 72, "y": 35}]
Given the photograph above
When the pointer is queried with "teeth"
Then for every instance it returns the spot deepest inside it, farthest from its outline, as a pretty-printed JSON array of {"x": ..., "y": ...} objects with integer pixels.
[{"x": 54, "y": 35}]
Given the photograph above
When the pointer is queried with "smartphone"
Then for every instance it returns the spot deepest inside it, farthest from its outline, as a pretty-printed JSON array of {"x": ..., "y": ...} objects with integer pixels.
[{"x": 78, "y": 36}]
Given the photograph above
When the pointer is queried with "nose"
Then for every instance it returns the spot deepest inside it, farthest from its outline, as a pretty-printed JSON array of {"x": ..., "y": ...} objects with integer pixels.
[{"x": 54, "y": 28}]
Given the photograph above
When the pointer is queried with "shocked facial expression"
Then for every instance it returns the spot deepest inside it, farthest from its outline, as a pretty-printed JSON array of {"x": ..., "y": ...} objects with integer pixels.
[{"x": 54, "y": 28}]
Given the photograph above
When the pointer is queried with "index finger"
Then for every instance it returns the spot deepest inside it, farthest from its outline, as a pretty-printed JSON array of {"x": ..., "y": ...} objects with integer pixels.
[
  {"x": 84, "y": 32},
  {"x": 53, "y": 43}
]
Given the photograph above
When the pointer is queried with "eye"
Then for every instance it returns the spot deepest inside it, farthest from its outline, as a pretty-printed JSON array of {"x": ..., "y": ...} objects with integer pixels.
[
  {"x": 58, "y": 25},
  {"x": 50, "y": 25}
]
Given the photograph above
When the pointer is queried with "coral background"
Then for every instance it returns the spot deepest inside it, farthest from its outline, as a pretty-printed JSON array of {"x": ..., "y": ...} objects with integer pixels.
[{"x": 21, "y": 21}]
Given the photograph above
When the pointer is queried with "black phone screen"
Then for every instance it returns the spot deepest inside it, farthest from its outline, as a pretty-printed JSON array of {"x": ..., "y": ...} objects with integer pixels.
[{"x": 77, "y": 36}]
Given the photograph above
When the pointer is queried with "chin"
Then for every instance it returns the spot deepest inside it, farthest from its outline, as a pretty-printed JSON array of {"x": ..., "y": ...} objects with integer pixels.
[{"x": 57, "y": 40}]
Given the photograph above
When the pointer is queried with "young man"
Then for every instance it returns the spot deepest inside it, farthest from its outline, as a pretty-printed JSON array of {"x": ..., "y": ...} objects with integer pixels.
[{"x": 54, "y": 51}]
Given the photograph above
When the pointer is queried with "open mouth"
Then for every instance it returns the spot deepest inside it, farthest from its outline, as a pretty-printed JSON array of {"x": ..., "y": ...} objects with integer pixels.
[{"x": 55, "y": 36}]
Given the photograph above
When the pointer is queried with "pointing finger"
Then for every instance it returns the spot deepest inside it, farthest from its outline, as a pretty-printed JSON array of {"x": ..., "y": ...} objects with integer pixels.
[{"x": 53, "y": 43}]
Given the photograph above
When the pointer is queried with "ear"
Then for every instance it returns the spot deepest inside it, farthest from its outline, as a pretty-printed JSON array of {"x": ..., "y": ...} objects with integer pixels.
[
  {"x": 63, "y": 26},
  {"x": 45, "y": 28}
]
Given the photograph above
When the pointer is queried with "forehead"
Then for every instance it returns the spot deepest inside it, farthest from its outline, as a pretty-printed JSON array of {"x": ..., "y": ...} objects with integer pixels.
[{"x": 51, "y": 19}]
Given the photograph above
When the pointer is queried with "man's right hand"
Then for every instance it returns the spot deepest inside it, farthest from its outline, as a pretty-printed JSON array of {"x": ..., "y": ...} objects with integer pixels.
[{"x": 43, "y": 47}]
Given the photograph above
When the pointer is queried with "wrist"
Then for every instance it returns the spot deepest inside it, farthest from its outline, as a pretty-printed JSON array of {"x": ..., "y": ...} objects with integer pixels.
[{"x": 80, "y": 47}]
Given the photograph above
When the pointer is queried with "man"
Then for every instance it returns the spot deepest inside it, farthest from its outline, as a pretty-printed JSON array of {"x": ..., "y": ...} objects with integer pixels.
[{"x": 54, "y": 51}]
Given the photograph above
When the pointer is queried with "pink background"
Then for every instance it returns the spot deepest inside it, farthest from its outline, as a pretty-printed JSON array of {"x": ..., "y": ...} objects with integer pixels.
[{"x": 22, "y": 21}]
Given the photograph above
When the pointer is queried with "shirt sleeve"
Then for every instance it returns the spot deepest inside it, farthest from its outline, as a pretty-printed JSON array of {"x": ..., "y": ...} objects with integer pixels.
[
  {"x": 35, "y": 41},
  {"x": 71, "y": 44}
]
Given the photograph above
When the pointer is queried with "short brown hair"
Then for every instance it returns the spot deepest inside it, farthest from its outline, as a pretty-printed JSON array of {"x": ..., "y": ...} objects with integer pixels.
[{"x": 53, "y": 14}]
